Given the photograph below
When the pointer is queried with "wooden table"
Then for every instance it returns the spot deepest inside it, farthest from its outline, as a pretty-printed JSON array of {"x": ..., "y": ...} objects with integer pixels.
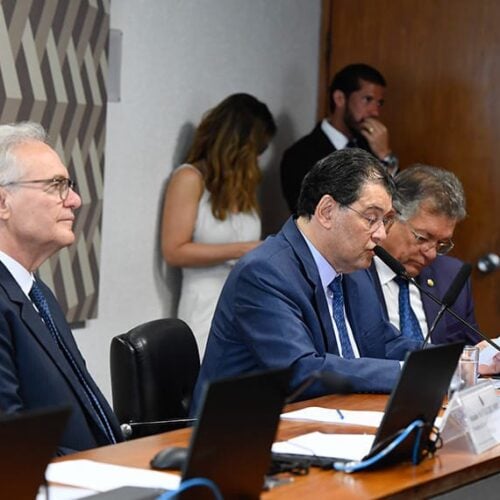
[{"x": 452, "y": 467}]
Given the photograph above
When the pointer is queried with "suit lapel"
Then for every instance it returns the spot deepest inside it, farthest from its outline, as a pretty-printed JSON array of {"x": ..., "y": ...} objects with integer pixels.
[
  {"x": 378, "y": 288},
  {"x": 302, "y": 253},
  {"x": 42, "y": 335}
]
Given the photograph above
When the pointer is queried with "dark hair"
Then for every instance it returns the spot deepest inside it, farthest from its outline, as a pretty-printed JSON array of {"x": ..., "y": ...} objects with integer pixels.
[
  {"x": 342, "y": 175},
  {"x": 439, "y": 188},
  {"x": 229, "y": 140},
  {"x": 348, "y": 80}
]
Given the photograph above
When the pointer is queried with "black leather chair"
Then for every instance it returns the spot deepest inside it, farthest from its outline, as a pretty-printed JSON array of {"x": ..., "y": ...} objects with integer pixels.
[{"x": 154, "y": 368}]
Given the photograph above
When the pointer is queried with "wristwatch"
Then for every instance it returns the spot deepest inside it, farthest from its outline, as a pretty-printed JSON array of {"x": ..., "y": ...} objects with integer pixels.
[{"x": 391, "y": 161}]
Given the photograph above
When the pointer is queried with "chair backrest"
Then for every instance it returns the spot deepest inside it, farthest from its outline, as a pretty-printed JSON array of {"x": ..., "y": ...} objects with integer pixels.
[{"x": 154, "y": 368}]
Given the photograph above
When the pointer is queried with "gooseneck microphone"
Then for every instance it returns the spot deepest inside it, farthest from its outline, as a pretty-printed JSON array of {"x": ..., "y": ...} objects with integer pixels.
[
  {"x": 128, "y": 428},
  {"x": 450, "y": 296},
  {"x": 399, "y": 269}
]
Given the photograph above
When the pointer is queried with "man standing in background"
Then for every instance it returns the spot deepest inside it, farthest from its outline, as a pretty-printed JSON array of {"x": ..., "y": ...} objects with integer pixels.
[{"x": 356, "y": 97}]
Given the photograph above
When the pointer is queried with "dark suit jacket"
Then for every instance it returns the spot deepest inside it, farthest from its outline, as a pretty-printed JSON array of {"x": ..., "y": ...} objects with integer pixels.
[
  {"x": 441, "y": 273},
  {"x": 273, "y": 313},
  {"x": 35, "y": 374},
  {"x": 299, "y": 158}
]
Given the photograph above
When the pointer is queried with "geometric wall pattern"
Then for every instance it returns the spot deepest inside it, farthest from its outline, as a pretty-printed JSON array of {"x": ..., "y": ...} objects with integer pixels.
[{"x": 53, "y": 70}]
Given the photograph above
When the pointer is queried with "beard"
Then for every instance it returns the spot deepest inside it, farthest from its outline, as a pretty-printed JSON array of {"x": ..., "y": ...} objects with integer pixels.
[{"x": 351, "y": 123}]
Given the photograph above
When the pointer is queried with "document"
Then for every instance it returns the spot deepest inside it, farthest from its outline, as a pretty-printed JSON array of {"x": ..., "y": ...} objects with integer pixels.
[
  {"x": 340, "y": 446},
  {"x": 99, "y": 476},
  {"x": 351, "y": 417}
]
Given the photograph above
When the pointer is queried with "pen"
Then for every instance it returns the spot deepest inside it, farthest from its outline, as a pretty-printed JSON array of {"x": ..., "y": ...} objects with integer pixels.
[{"x": 340, "y": 414}]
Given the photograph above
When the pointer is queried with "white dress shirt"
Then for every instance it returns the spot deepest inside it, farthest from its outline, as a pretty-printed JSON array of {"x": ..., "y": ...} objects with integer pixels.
[
  {"x": 327, "y": 274},
  {"x": 338, "y": 139}
]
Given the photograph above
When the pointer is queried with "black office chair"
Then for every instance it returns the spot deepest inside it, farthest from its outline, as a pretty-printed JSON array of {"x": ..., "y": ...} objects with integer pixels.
[{"x": 154, "y": 368}]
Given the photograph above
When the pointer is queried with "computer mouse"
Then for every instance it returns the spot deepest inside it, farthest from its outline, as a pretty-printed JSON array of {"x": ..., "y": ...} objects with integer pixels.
[{"x": 172, "y": 457}]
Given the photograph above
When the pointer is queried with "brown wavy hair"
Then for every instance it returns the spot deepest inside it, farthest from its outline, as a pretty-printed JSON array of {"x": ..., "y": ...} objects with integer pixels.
[{"x": 225, "y": 149}]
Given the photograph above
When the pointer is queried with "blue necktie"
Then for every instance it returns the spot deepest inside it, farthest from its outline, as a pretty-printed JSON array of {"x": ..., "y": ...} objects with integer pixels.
[
  {"x": 339, "y": 317},
  {"x": 40, "y": 302},
  {"x": 408, "y": 323}
]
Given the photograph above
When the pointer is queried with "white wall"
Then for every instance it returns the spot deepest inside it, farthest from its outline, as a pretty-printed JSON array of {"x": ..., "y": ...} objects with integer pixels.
[{"x": 179, "y": 58}]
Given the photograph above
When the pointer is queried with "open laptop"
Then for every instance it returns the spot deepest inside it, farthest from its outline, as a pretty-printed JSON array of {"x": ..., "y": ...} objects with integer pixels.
[
  {"x": 231, "y": 444},
  {"x": 422, "y": 385},
  {"x": 28, "y": 441}
]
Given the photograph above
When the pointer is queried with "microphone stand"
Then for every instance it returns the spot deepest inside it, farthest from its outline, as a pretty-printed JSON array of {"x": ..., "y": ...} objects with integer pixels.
[
  {"x": 128, "y": 428},
  {"x": 399, "y": 269},
  {"x": 452, "y": 312}
]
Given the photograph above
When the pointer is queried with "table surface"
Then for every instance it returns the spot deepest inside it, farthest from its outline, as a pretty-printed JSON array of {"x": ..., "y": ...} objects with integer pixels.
[{"x": 453, "y": 466}]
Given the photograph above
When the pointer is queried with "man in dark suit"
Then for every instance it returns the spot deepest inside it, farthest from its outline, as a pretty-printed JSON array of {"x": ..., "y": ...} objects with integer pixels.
[
  {"x": 430, "y": 202},
  {"x": 40, "y": 364},
  {"x": 283, "y": 303},
  {"x": 356, "y": 98}
]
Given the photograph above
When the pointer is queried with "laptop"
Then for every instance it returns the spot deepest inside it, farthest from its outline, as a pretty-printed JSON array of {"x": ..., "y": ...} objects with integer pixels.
[
  {"x": 231, "y": 444},
  {"x": 419, "y": 393},
  {"x": 28, "y": 442}
]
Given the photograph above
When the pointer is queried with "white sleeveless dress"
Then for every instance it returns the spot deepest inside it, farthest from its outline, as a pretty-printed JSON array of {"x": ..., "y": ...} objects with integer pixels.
[{"x": 201, "y": 286}]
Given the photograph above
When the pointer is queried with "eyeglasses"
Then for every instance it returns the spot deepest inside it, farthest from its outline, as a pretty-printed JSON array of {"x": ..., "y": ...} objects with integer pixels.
[
  {"x": 61, "y": 184},
  {"x": 442, "y": 247},
  {"x": 374, "y": 222}
]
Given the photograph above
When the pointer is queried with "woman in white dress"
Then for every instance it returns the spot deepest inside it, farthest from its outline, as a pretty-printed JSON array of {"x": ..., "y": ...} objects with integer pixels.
[{"x": 210, "y": 212}]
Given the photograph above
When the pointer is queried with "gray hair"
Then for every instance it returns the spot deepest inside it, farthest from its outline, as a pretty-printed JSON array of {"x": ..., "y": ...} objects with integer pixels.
[
  {"x": 439, "y": 188},
  {"x": 11, "y": 136}
]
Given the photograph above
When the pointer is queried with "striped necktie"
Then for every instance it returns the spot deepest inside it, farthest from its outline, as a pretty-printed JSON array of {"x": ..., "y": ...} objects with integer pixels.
[
  {"x": 408, "y": 323},
  {"x": 42, "y": 305},
  {"x": 339, "y": 317}
]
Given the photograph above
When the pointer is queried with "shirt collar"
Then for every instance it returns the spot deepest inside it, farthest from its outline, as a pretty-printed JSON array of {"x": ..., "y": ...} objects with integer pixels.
[
  {"x": 337, "y": 138},
  {"x": 22, "y": 276},
  {"x": 326, "y": 271},
  {"x": 385, "y": 273}
]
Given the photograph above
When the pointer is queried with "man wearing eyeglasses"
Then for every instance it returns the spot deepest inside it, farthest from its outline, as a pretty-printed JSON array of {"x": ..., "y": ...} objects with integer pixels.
[
  {"x": 429, "y": 202},
  {"x": 292, "y": 302},
  {"x": 40, "y": 364}
]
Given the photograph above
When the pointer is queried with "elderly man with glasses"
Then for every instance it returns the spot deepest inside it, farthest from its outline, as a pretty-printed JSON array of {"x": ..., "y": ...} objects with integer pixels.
[
  {"x": 293, "y": 302},
  {"x": 40, "y": 364},
  {"x": 429, "y": 202}
]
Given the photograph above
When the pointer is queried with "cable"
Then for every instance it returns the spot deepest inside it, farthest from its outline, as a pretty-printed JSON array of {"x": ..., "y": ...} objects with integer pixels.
[
  {"x": 192, "y": 483},
  {"x": 368, "y": 462}
]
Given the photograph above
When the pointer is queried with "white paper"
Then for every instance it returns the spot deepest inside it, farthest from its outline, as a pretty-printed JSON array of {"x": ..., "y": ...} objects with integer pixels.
[
  {"x": 344, "y": 446},
  {"x": 103, "y": 477},
  {"x": 486, "y": 354},
  {"x": 318, "y": 414}
]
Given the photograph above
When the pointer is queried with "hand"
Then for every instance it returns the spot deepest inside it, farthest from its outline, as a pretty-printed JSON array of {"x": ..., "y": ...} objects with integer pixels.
[
  {"x": 377, "y": 135},
  {"x": 493, "y": 368}
]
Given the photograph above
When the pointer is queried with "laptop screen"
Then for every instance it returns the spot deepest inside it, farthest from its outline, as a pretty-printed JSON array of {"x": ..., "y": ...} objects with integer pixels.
[{"x": 231, "y": 444}]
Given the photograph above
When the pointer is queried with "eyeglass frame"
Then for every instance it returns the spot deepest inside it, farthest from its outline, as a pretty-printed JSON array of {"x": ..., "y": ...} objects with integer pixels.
[
  {"x": 63, "y": 185},
  {"x": 374, "y": 222},
  {"x": 422, "y": 241}
]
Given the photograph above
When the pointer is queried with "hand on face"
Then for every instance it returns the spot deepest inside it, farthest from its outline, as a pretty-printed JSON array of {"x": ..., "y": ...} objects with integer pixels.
[{"x": 377, "y": 135}]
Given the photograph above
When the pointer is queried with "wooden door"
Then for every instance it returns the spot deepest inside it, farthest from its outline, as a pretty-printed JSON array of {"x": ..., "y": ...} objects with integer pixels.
[{"x": 441, "y": 60}]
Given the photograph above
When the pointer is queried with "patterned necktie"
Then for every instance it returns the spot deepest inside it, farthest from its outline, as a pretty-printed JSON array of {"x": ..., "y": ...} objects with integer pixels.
[
  {"x": 339, "y": 317},
  {"x": 41, "y": 304},
  {"x": 408, "y": 323}
]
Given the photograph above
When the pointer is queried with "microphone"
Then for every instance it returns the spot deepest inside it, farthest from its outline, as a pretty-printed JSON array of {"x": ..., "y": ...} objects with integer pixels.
[
  {"x": 399, "y": 269},
  {"x": 336, "y": 383},
  {"x": 450, "y": 296},
  {"x": 128, "y": 428}
]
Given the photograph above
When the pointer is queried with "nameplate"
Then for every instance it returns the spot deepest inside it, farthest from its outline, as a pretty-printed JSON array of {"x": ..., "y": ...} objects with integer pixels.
[{"x": 474, "y": 412}]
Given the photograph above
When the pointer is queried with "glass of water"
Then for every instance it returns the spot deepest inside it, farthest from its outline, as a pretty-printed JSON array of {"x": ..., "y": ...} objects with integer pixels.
[{"x": 468, "y": 365}]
